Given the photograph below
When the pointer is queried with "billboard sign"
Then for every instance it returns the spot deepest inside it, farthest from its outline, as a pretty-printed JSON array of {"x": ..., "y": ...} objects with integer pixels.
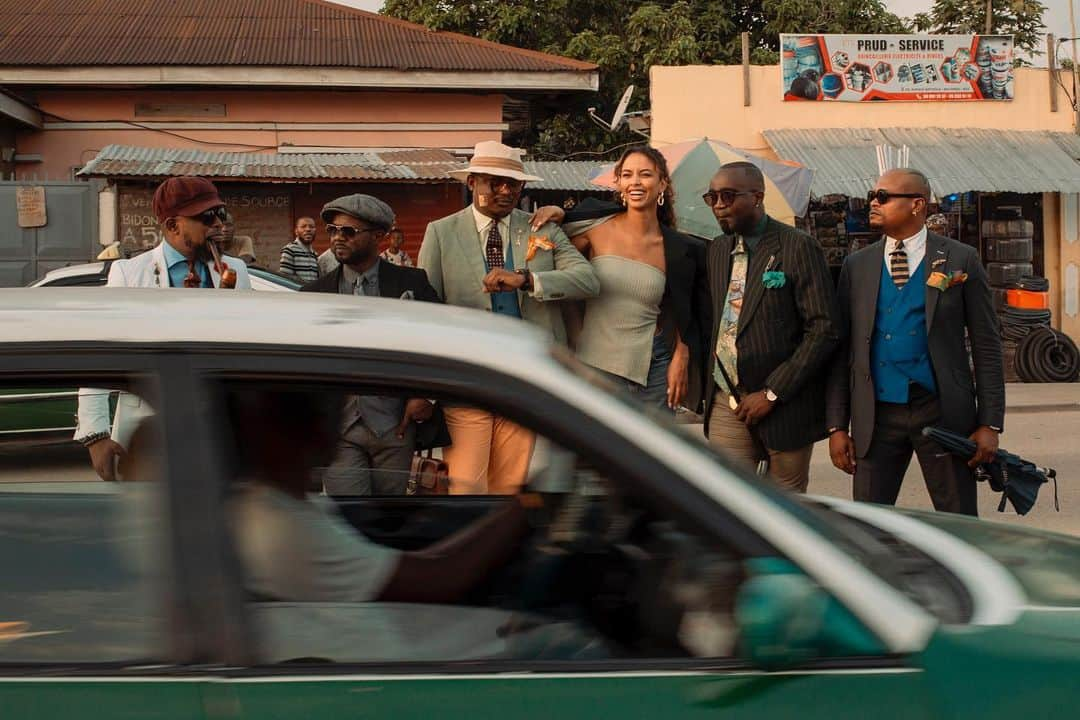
[{"x": 907, "y": 68}]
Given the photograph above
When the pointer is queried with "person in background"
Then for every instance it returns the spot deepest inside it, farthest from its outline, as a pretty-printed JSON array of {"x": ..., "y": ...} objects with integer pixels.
[
  {"x": 394, "y": 253},
  {"x": 907, "y": 305},
  {"x": 298, "y": 258},
  {"x": 938, "y": 224},
  {"x": 487, "y": 257},
  {"x": 773, "y": 330},
  {"x": 292, "y": 549},
  {"x": 378, "y": 434}
]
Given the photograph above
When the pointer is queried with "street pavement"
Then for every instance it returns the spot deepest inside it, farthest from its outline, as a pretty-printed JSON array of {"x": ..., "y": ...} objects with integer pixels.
[{"x": 1042, "y": 424}]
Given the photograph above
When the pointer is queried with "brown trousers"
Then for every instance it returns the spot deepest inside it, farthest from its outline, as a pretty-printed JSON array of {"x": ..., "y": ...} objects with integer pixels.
[{"x": 789, "y": 468}]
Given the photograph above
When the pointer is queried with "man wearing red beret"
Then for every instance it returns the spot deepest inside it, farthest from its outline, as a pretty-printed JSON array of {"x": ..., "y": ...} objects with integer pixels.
[{"x": 191, "y": 215}]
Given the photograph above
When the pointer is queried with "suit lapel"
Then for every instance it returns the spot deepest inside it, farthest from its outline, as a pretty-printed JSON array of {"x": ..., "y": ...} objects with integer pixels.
[
  {"x": 388, "y": 281},
  {"x": 518, "y": 235},
  {"x": 159, "y": 269},
  {"x": 469, "y": 244},
  {"x": 766, "y": 251},
  {"x": 215, "y": 277},
  {"x": 674, "y": 250},
  {"x": 865, "y": 299},
  {"x": 720, "y": 254},
  {"x": 935, "y": 250}
]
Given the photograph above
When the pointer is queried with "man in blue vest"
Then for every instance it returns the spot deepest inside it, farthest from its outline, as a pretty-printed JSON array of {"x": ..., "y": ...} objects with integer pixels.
[
  {"x": 488, "y": 257},
  {"x": 905, "y": 303}
]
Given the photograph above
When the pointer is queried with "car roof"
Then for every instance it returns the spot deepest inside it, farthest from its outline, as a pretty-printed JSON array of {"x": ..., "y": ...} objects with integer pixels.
[
  {"x": 94, "y": 268},
  {"x": 165, "y": 316}
]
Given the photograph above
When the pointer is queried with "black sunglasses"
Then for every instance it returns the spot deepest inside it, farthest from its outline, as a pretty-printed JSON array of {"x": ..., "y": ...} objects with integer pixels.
[
  {"x": 497, "y": 182},
  {"x": 725, "y": 196},
  {"x": 208, "y": 217},
  {"x": 347, "y": 231},
  {"x": 882, "y": 196}
]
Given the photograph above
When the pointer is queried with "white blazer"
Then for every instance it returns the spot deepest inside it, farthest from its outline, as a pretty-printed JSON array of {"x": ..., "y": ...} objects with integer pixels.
[{"x": 146, "y": 270}]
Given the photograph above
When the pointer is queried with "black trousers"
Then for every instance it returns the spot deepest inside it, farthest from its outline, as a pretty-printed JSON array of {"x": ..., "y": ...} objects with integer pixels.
[{"x": 898, "y": 432}]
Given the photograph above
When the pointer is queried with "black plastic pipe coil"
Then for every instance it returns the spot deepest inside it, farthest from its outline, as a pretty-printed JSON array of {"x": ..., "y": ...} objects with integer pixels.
[{"x": 1046, "y": 355}]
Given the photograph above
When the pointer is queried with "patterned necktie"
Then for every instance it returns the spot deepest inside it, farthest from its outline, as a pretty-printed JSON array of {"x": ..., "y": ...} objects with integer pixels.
[
  {"x": 494, "y": 248},
  {"x": 726, "y": 354},
  {"x": 898, "y": 265},
  {"x": 192, "y": 280},
  {"x": 363, "y": 287}
]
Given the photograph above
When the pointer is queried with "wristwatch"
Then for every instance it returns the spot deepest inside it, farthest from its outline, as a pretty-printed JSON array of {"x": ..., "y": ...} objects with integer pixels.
[
  {"x": 527, "y": 286},
  {"x": 770, "y": 395}
]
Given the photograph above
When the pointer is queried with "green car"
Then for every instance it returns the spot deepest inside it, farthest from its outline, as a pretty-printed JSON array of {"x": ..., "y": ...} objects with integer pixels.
[{"x": 652, "y": 580}]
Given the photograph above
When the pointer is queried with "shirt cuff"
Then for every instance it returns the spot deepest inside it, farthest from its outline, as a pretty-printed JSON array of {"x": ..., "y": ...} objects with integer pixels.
[{"x": 537, "y": 286}]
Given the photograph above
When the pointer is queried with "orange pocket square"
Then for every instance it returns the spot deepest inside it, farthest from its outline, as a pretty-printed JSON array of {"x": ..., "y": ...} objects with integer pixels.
[{"x": 537, "y": 243}]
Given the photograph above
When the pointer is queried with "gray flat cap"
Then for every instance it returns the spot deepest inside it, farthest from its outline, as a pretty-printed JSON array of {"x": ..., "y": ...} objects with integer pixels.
[{"x": 362, "y": 207}]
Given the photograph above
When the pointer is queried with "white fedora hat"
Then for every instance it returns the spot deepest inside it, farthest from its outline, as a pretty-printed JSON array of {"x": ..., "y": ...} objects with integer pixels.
[{"x": 494, "y": 158}]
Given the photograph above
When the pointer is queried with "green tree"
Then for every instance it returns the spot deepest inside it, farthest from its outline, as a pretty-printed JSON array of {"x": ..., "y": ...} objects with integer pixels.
[
  {"x": 626, "y": 38},
  {"x": 1023, "y": 19}
]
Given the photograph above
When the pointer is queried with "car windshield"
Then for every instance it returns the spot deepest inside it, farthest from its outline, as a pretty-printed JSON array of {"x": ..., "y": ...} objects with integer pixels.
[{"x": 897, "y": 563}]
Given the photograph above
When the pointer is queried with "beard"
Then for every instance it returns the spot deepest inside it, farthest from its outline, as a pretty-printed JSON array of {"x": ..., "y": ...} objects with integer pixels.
[
  {"x": 202, "y": 252},
  {"x": 359, "y": 256}
]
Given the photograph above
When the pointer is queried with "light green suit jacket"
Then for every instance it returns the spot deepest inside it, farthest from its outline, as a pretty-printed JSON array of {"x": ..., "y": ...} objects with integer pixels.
[{"x": 454, "y": 261}]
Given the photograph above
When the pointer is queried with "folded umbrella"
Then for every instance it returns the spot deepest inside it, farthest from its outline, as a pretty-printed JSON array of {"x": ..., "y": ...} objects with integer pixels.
[{"x": 1018, "y": 480}]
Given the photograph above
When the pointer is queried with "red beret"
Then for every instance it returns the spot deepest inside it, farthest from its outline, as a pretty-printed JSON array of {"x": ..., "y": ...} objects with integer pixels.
[{"x": 185, "y": 197}]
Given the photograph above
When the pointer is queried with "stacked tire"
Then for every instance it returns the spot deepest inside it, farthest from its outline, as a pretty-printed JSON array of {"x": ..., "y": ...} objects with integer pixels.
[
  {"x": 1010, "y": 248},
  {"x": 1033, "y": 351}
]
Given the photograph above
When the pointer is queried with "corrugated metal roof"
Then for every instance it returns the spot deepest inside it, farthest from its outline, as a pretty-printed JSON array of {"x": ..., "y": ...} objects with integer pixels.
[
  {"x": 423, "y": 165},
  {"x": 563, "y": 174},
  {"x": 844, "y": 160},
  {"x": 244, "y": 32}
]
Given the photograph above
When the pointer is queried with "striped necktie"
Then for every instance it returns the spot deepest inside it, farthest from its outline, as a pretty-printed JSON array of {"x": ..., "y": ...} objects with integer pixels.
[{"x": 898, "y": 266}]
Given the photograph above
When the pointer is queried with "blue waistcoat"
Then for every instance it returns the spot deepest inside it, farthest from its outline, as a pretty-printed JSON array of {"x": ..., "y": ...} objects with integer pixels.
[
  {"x": 899, "y": 354},
  {"x": 505, "y": 303}
]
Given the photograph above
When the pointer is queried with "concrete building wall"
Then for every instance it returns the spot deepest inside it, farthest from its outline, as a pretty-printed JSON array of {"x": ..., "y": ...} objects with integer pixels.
[
  {"x": 81, "y": 122},
  {"x": 707, "y": 101}
]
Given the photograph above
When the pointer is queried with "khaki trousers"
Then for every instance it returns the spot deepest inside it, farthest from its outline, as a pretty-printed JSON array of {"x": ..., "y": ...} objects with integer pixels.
[
  {"x": 488, "y": 454},
  {"x": 789, "y": 468}
]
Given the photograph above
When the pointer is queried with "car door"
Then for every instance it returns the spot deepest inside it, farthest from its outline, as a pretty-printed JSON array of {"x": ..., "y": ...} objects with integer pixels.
[
  {"x": 583, "y": 686},
  {"x": 84, "y": 562}
]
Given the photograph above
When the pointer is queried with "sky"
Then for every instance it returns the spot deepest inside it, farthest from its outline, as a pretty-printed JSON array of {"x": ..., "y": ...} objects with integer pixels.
[{"x": 1056, "y": 18}]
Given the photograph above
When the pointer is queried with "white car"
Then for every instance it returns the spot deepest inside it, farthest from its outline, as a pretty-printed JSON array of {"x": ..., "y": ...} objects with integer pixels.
[
  {"x": 654, "y": 581},
  {"x": 97, "y": 274}
]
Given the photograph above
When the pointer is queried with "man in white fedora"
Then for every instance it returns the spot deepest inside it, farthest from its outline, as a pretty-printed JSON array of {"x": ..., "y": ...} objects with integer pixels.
[{"x": 488, "y": 257}]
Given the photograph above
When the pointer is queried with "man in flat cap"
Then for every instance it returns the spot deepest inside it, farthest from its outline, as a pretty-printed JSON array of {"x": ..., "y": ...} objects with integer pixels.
[
  {"x": 191, "y": 215},
  {"x": 488, "y": 257},
  {"x": 378, "y": 434}
]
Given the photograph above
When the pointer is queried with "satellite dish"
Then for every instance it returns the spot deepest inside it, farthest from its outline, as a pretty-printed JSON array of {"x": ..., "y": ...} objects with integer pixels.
[{"x": 620, "y": 110}]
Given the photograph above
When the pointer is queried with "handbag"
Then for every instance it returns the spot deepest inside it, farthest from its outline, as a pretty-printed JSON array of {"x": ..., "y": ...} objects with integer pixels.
[{"x": 428, "y": 476}]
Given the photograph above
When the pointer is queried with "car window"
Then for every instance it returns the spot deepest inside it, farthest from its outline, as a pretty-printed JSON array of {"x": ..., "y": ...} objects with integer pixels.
[
  {"x": 79, "y": 554},
  {"x": 554, "y": 559}
]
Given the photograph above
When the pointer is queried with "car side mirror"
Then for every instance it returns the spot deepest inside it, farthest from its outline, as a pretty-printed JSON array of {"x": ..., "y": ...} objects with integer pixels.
[{"x": 785, "y": 620}]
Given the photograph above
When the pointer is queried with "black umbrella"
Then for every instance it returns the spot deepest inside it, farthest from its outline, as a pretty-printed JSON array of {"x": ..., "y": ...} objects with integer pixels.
[{"x": 1017, "y": 479}]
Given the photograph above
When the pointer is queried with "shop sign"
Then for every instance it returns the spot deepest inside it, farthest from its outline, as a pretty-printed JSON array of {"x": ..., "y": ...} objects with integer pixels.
[
  {"x": 866, "y": 68},
  {"x": 30, "y": 204}
]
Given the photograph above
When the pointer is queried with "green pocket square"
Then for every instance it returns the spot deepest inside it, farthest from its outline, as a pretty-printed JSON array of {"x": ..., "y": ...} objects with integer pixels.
[{"x": 774, "y": 279}]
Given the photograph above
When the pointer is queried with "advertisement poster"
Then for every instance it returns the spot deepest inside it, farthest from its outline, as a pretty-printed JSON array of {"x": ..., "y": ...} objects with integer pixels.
[{"x": 865, "y": 68}]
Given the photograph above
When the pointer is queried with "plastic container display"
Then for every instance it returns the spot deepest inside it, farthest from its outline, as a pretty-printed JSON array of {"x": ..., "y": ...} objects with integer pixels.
[
  {"x": 1009, "y": 249},
  {"x": 1004, "y": 273},
  {"x": 1015, "y": 228},
  {"x": 1027, "y": 299}
]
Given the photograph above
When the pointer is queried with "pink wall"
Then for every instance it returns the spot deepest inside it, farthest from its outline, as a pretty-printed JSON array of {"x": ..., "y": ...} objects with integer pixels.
[{"x": 64, "y": 149}]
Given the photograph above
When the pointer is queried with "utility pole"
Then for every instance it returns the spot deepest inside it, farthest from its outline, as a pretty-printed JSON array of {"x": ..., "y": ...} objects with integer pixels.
[
  {"x": 1076, "y": 100},
  {"x": 989, "y": 27}
]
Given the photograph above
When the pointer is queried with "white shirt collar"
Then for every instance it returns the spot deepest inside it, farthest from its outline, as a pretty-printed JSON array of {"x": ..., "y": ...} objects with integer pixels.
[
  {"x": 914, "y": 245},
  {"x": 483, "y": 222}
]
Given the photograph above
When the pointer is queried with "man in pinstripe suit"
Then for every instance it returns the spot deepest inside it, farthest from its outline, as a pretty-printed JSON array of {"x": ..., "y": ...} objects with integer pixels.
[{"x": 773, "y": 330}]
